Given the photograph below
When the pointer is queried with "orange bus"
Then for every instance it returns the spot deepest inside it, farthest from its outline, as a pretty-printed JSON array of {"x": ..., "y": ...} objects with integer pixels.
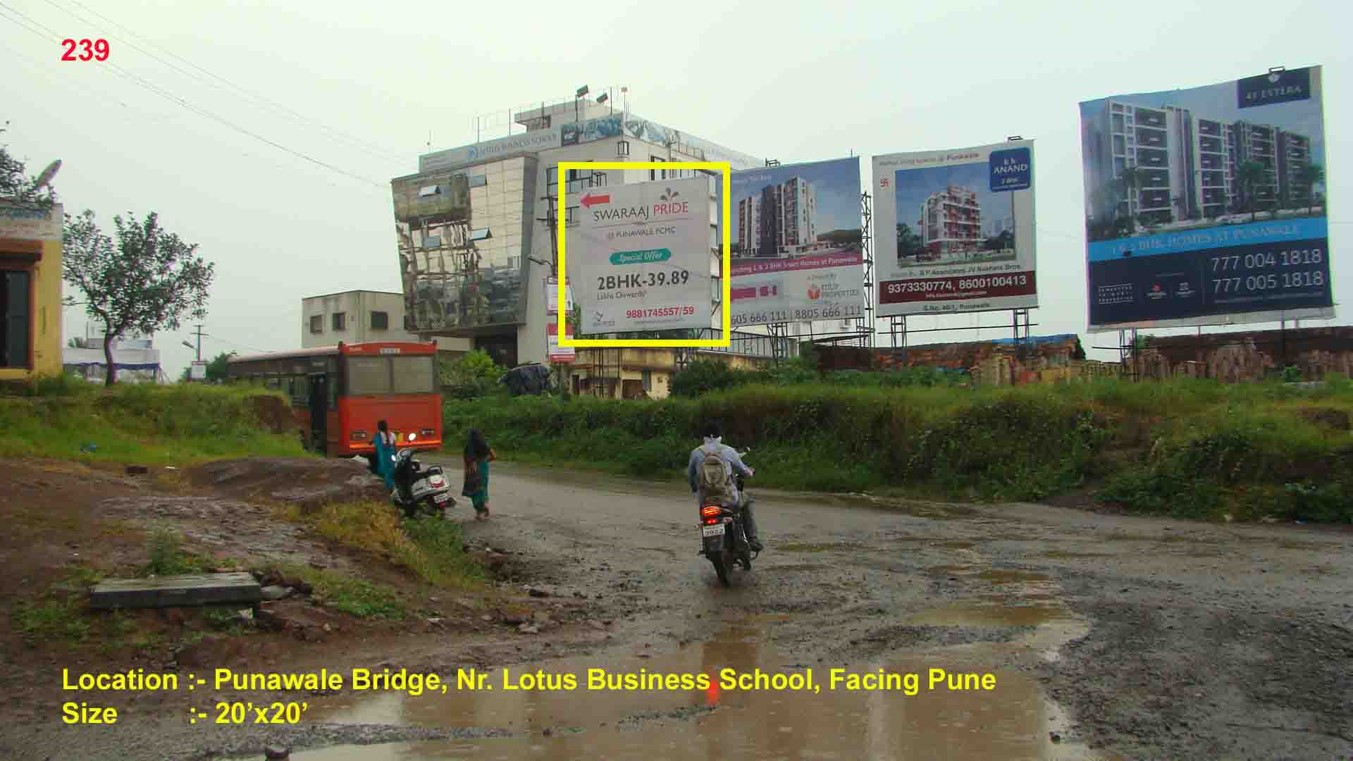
[{"x": 339, "y": 393}]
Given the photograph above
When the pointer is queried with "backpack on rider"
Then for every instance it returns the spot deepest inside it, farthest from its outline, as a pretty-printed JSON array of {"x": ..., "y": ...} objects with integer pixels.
[{"x": 715, "y": 479}]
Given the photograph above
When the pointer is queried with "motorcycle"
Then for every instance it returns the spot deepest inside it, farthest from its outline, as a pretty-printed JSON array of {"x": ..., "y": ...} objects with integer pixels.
[
  {"x": 417, "y": 491},
  {"x": 723, "y": 536}
]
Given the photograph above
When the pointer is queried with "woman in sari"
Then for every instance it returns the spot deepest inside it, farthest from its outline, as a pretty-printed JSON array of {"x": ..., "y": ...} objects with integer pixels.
[{"x": 478, "y": 455}]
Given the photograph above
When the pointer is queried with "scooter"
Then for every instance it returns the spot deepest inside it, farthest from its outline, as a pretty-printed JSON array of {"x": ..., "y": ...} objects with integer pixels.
[
  {"x": 723, "y": 537},
  {"x": 417, "y": 491}
]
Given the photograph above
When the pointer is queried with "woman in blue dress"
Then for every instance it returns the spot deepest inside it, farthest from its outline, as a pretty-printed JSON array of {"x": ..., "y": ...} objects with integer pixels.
[{"x": 478, "y": 455}]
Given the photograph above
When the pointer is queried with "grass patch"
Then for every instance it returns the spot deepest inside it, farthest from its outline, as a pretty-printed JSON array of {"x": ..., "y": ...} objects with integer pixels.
[
  {"x": 1192, "y": 448},
  {"x": 144, "y": 423},
  {"x": 164, "y": 547},
  {"x": 349, "y": 594},
  {"x": 429, "y": 548}
]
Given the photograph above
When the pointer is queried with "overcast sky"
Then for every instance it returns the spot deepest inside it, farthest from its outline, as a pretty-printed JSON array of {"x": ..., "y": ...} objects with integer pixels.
[{"x": 363, "y": 85}]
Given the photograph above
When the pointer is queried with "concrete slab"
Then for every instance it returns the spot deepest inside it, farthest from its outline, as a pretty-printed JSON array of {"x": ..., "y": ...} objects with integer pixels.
[{"x": 176, "y": 591}]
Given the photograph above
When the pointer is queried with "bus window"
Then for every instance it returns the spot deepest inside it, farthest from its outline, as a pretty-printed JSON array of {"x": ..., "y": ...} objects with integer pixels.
[
  {"x": 368, "y": 376},
  {"x": 415, "y": 375}
]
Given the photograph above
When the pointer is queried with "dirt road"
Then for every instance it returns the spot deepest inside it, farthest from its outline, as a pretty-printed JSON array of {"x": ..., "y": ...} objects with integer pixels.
[{"x": 1109, "y": 637}]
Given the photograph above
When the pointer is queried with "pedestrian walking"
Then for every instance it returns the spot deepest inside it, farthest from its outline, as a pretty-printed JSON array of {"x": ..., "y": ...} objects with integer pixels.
[{"x": 478, "y": 455}]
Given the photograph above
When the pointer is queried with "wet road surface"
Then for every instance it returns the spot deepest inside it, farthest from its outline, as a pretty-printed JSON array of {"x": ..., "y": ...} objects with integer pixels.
[{"x": 1106, "y": 636}]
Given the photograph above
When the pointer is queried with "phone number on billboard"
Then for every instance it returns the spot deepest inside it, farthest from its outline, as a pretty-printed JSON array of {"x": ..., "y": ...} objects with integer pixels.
[
  {"x": 1269, "y": 282},
  {"x": 1265, "y": 259},
  {"x": 993, "y": 281},
  {"x": 639, "y": 314},
  {"x": 798, "y": 315}
]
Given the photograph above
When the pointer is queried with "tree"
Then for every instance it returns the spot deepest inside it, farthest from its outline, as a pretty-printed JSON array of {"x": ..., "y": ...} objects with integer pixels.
[
  {"x": 1251, "y": 174},
  {"x": 148, "y": 281},
  {"x": 909, "y": 244},
  {"x": 216, "y": 368},
  {"x": 1310, "y": 176},
  {"x": 15, "y": 182},
  {"x": 470, "y": 375}
]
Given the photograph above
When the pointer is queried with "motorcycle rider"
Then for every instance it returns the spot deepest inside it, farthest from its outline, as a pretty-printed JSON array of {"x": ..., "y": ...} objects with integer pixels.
[{"x": 732, "y": 464}]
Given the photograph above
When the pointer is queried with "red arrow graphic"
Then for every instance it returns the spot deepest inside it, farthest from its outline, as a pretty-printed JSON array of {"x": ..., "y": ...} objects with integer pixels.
[{"x": 589, "y": 200}]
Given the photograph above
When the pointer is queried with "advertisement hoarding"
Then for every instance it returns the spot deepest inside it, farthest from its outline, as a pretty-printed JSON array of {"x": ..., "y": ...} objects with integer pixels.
[
  {"x": 552, "y": 295},
  {"x": 954, "y": 230},
  {"x": 1207, "y": 205},
  {"x": 554, "y": 353},
  {"x": 797, "y": 253},
  {"x": 639, "y": 256}
]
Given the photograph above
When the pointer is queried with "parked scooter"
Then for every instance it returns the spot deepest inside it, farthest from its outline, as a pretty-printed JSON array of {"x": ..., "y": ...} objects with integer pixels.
[{"x": 417, "y": 491}]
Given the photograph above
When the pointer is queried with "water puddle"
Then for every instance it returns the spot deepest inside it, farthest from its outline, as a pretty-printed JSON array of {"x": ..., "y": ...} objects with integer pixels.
[
  {"x": 1012, "y": 720},
  {"x": 817, "y": 546}
]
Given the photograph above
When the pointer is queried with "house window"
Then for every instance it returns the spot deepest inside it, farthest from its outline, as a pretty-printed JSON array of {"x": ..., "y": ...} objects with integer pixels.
[
  {"x": 657, "y": 174},
  {"x": 17, "y": 311},
  {"x": 647, "y": 376},
  {"x": 380, "y": 320},
  {"x": 316, "y": 323},
  {"x": 340, "y": 322}
]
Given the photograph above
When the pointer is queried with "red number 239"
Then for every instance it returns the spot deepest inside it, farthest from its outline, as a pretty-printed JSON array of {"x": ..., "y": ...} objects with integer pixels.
[{"x": 90, "y": 50}]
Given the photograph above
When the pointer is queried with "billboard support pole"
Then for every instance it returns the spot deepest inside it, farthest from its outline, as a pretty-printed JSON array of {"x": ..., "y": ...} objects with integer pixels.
[
  {"x": 866, "y": 325},
  {"x": 1020, "y": 318},
  {"x": 1127, "y": 353}
]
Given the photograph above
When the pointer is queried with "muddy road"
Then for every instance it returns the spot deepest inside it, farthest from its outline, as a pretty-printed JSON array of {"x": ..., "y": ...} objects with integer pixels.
[{"x": 1110, "y": 637}]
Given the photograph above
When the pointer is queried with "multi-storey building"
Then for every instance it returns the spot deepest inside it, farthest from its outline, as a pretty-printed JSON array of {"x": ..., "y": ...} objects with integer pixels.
[
  {"x": 951, "y": 222},
  {"x": 1294, "y": 156},
  {"x": 477, "y": 228},
  {"x": 781, "y": 220},
  {"x": 1167, "y": 165}
]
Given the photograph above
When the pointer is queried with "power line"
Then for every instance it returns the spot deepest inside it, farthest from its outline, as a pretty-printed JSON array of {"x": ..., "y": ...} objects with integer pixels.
[
  {"x": 370, "y": 148},
  {"x": 191, "y": 107}
]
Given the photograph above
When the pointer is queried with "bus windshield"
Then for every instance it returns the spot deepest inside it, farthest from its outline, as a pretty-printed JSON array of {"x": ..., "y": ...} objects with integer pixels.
[{"x": 379, "y": 376}]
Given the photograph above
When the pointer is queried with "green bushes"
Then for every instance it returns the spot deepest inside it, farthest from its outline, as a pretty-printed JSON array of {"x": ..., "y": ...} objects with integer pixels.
[
  {"x": 144, "y": 423},
  {"x": 470, "y": 376},
  {"x": 1189, "y": 448}
]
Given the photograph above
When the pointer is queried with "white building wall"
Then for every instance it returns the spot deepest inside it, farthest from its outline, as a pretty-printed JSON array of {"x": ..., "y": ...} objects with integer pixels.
[{"x": 357, "y": 308}]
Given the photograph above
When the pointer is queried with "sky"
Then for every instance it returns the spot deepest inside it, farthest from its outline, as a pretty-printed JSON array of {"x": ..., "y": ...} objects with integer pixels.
[
  {"x": 914, "y": 186},
  {"x": 835, "y": 183},
  {"x": 353, "y": 92}
]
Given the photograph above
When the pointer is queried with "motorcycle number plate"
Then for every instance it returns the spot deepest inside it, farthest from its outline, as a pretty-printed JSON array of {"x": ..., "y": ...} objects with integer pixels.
[
  {"x": 715, "y": 530},
  {"x": 440, "y": 498}
]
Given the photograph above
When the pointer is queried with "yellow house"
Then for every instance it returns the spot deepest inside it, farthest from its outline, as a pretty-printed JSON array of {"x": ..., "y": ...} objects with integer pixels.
[{"x": 30, "y": 290}]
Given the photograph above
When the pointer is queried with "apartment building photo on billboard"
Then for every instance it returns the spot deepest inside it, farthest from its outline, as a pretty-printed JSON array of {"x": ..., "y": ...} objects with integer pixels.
[
  {"x": 781, "y": 220},
  {"x": 1207, "y": 205},
  {"x": 797, "y": 243},
  {"x": 1188, "y": 159},
  {"x": 951, "y": 222}
]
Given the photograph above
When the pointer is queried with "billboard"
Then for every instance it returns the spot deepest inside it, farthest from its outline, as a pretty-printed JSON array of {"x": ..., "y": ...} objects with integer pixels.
[
  {"x": 438, "y": 195},
  {"x": 954, "y": 230},
  {"x": 796, "y": 243},
  {"x": 1207, "y": 205},
  {"x": 554, "y": 353},
  {"x": 639, "y": 256}
]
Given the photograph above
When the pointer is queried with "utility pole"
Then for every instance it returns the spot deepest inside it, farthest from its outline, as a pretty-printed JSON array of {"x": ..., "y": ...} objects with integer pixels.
[{"x": 199, "y": 343}]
